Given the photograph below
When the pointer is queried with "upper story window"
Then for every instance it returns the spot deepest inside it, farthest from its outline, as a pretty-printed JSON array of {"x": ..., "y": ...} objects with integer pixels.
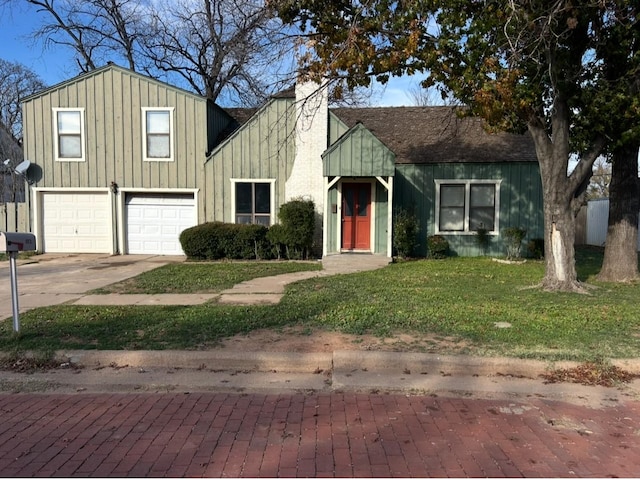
[
  {"x": 68, "y": 124},
  {"x": 464, "y": 206},
  {"x": 253, "y": 201},
  {"x": 157, "y": 128}
]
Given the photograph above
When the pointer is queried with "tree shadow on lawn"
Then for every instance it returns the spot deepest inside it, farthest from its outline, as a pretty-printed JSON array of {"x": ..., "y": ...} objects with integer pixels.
[{"x": 588, "y": 261}]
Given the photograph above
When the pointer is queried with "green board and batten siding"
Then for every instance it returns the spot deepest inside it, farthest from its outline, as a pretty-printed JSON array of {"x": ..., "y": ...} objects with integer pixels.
[
  {"x": 520, "y": 199},
  {"x": 358, "y": 154},
  {"x": 112, "y": 99},
  {"x": 264, "y": 149}
]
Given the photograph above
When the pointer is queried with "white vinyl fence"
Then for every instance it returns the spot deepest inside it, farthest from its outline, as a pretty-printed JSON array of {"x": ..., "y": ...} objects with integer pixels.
[{"x": 597, "y": 222}]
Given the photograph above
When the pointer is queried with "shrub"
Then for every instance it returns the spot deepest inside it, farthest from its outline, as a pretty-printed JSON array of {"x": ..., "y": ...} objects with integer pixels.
[
  {"x": 201, "y": 242},
  {"x": 437, "y": 246},
  {"x": 298, "y": 222},
  {"x": 536, "y": 247},
  {"x": 405, "y": 233},
  {"x": 277, "y": 239},
  {"x": 245, "y": 242},
  {"x": 482, "y": 239},
  {"x": 513, "y": 241},
  {"x": 217, "y": 240}
]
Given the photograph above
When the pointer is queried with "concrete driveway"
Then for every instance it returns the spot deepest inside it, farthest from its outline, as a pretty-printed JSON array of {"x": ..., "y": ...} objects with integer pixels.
[{"x": 52, "y": 279}]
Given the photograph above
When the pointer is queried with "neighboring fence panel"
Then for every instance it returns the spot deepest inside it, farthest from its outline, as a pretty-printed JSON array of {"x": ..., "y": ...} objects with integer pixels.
[
  {"x": 597, "y": 222},
  {"x": 8, "y": 217},
  {"x": 581, "y": 226},
  {"x": 597, "y": 218}
]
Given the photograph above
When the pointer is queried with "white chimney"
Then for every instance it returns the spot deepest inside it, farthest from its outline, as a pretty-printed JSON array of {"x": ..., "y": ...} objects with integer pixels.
[{"x": 312, "y": 136}]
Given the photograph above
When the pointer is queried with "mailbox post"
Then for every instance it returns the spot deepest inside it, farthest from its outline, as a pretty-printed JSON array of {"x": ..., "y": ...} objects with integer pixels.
[{"x": 12, "y": 243}]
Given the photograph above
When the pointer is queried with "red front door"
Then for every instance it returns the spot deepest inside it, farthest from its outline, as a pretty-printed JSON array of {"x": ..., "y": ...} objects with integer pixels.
[{"x": 356, "y": 216}]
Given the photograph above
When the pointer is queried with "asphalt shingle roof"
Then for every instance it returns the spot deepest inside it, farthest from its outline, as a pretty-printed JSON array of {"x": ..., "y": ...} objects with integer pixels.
[{"x": 438, "y": 134}]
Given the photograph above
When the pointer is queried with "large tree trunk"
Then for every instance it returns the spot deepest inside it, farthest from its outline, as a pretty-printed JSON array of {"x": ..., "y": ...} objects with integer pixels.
[
  {"x": 561, "y": 197},
  {"x": 559, "y": 236},
  {"x": 620, "y": 262}
]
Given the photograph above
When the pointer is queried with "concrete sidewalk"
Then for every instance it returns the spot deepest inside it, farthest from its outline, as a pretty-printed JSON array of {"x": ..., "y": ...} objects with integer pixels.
[{"x": 339, "y": 371}]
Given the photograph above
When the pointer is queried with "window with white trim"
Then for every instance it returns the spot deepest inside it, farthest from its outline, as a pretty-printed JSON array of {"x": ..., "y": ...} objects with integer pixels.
[
  {"x": 253, "y": 201},
  {"x": 68, "y": 125},
  {"x": 157, "y": 130},
  {"x": 464, "y": 206}
]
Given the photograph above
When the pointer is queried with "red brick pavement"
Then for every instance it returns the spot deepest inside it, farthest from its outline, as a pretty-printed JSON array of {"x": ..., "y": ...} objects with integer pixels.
[{"x": 321, "y": 435}]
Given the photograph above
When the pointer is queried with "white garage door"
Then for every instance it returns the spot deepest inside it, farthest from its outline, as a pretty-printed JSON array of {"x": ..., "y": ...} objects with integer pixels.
[
  {"x": 154, "y": 222},
  {"x": 76, "y": 222}
]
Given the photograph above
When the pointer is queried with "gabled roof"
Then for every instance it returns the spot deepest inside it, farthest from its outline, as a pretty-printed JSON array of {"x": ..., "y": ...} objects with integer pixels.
[
  {"x": 113, "y": 66},
  {"x": 438, "y": 134},
  {"x": 358, "y": 153}
]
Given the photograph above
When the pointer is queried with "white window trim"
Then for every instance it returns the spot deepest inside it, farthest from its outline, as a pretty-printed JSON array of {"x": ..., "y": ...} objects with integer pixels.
[
  {"x": 171, "y": 157},
  {"x": 467, "y": 193},
  {"x": 272, "y": 196},
  {"x": 56, "y": 136}
]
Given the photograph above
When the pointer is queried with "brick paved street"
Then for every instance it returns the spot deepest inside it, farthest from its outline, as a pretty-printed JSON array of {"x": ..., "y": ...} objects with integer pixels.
[{"x": 322, "y": 435}]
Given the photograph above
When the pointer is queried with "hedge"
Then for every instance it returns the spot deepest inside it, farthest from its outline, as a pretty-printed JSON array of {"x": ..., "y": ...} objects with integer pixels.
[{"x": 218, "y": 240}]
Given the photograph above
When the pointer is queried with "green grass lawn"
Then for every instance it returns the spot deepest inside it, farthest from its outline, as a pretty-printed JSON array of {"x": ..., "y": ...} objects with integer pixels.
[
  {"x": 203, "y": 277},
  {"x": 457, "y": 298}
]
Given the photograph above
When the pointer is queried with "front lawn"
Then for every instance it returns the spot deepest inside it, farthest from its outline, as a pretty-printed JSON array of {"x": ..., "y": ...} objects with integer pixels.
[
  {"x": 203, "y": 277},
  {"x": 489, "y": 307}
]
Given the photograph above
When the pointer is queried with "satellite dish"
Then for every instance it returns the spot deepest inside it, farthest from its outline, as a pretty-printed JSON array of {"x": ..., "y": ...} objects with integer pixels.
[{"x": 22, "y": 168}]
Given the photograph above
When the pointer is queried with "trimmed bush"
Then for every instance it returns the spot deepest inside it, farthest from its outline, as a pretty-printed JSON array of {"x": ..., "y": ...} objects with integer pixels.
[
  {"x": 405, "y": 233},
  {"x": 437, "y": 247},
  {"x": 201, "y": 242},
  {"x": 217, "y": 240}
]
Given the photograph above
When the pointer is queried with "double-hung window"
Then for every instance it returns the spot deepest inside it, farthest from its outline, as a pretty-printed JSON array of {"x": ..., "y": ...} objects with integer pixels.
[
  {"x": 157, "y": 128},
  {"x": 464, "y": 206},
  {"x": 68, "y": 124},
  {"x": 253, "y": 201}
]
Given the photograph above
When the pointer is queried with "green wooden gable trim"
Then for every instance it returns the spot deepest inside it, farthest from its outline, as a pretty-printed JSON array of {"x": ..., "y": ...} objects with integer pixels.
[
  {"x": 112, "y": 67},
  {"x": 358, "y": 153}
]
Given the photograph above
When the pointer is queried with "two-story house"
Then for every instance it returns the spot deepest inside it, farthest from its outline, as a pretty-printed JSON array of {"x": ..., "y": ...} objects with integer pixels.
[{"x": 128, "y": 162}]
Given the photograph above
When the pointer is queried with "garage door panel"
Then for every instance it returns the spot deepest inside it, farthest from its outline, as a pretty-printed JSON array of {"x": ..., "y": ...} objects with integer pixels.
[
  {"x": 154, "y": 222},
  {"x": 76, "y": 222}
]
